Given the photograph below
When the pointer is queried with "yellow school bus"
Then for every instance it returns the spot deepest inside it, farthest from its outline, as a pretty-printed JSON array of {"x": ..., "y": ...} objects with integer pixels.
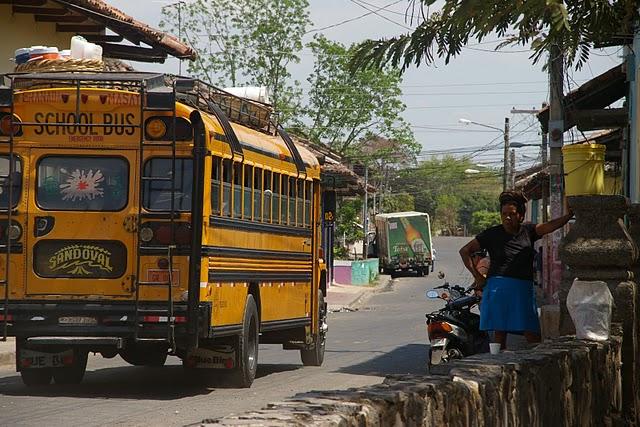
[{"x": 146, "y": 215}]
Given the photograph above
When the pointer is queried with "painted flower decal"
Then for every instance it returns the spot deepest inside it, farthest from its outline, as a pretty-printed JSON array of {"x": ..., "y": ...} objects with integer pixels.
[{"x": 82, "y": 185}]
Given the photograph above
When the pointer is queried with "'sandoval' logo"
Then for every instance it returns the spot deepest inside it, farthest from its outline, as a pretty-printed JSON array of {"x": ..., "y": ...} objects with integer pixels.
[{"x": 80, "y": 259}]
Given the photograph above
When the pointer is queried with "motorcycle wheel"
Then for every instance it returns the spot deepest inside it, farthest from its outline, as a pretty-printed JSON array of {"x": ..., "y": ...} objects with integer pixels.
[{"x": 451, "y": 353}]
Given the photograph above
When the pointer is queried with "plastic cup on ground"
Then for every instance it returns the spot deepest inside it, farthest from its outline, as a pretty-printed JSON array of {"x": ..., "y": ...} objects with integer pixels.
[{"x": 494, "y": 348}]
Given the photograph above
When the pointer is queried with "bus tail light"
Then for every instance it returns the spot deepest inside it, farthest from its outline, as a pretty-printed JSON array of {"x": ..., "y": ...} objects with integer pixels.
[
  {"x": 8, "y": 128},
  {"x": 163, "y": 319},
  {"x": 159, "y": 233},
  {"x": 146, "y": 234},
  {"x": 14, "y": 232}
]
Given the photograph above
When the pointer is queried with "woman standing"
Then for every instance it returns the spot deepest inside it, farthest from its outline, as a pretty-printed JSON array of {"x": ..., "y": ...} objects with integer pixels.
[{"x": 508, "y": 297}]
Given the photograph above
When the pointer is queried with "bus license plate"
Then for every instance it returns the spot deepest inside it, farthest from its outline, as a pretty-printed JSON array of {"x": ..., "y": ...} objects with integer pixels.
[
  {"x": 77, "y": 320},
  {"x": 38, "y": 359},
  {"x": 162, "y": 276}
]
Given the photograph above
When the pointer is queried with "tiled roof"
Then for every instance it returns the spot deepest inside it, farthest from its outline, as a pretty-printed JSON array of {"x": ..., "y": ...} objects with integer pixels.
[{"x": 90, "y": 18}]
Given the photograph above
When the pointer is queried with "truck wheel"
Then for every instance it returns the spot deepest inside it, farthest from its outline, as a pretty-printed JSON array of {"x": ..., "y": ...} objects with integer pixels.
[
  {"x": 315, "y": 356},
  {"x": 72, "y": 374},
  {"x": 35, "y": 377},
  {"x": 247, "y": 348}
]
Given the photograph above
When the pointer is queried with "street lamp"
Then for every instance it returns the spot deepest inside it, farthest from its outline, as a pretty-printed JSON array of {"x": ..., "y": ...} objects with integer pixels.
[{"x": 505, "y": 134}]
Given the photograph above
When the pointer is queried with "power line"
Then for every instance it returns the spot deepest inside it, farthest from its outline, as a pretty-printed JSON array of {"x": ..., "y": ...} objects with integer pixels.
[{"x": 346, "y": 21}]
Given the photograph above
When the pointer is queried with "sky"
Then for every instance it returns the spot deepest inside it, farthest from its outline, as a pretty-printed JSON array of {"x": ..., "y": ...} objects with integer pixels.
[{"x": 481, "y": 84}]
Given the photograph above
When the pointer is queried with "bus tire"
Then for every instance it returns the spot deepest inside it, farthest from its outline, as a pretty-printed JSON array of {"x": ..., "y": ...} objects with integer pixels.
[
  {"x": 72, "y": 374},
  {"x": 247, "y": 347},
  {"x": 36, "y": 377},
  {"x": 315, "y": 355}
]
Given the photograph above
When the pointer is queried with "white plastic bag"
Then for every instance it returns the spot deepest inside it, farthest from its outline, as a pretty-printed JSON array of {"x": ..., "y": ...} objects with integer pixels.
[{"x": 590, "y": 304}]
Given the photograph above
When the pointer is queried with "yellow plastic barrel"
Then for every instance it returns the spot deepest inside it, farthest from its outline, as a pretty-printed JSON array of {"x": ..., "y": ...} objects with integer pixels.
[{"x": 583, "y": 169}]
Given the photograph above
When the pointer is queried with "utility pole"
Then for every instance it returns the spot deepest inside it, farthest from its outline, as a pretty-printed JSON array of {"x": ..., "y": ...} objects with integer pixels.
[
  {"x": 365, "y": 222},
  {"x": 545, "y": 195},
  {"x": 556, "y": 133},
  {"x": 506, "y": 154},
  {"x": 512, "y": 170}
]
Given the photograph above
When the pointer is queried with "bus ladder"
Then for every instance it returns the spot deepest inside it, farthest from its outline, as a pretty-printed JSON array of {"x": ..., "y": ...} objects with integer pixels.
[
  {"x": 144, "y": 179},
  {"x": 7, "y": 101}
]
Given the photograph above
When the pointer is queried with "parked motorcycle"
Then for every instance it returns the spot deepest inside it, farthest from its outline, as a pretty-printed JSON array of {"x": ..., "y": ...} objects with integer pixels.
[{"x": 454, "y": 330}]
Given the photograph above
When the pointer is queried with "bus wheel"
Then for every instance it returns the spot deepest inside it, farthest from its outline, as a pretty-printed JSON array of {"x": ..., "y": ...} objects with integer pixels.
[
  {"x": 247, "y": 348},
  {"x": 35, "y": 377},
  {"x": 315, "y": 356},
  {"x": 72, "y": 374}
]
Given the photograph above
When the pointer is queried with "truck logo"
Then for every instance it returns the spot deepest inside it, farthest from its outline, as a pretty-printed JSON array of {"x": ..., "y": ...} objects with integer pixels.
[{"x": 80, "y": 260}]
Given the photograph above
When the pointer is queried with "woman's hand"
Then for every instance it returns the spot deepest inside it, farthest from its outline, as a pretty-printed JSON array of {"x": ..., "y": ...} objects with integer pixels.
[{"x": 479, "y": 282}]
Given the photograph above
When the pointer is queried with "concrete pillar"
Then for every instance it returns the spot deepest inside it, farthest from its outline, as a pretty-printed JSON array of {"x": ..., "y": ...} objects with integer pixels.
[{"x": 599, "y": 247}]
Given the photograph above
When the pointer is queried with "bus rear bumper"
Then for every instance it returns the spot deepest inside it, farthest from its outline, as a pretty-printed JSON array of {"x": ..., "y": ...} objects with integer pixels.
[{"x": 97, "y": 319}]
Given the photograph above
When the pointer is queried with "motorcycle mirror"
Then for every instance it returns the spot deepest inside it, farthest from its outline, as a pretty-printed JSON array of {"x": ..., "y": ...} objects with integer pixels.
[
  {"x": 440, "y": 275},
  {"x": 433, "y": 294}
]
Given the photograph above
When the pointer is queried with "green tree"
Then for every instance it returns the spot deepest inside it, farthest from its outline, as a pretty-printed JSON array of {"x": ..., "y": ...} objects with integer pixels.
[
  {"x": 245, "y": 42},
  {"x": 575, "y": 25},
  {"x": 346, "y": 107},
  {"x": 433, "y": 178},
  {"x": 348, "y": 221},
  {"x": 400, "y": 202},
  {"x": 481, "y": 220},
  {"x": 272, "y": 31},
  {"x": 446, "y": 216},
  {"x": 210, "y": 27}
]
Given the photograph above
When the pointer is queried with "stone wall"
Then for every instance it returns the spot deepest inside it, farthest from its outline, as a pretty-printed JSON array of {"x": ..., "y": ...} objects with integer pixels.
[{"x": 559, "y": 383}]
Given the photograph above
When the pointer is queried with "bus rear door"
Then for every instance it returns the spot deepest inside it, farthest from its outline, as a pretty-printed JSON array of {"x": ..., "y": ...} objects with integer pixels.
[{"x": 81, "y": 223}]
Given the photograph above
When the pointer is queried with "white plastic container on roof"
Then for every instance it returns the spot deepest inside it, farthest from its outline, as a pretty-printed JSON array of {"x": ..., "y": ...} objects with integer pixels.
[{"x": 254, "y": 93}]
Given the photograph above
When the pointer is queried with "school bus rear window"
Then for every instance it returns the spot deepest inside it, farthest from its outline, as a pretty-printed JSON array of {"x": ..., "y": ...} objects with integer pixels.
[
  {"x": 16, "y": 181},
  {"x": 157, "y": 187},
  {"x": 82, "y": 183}
]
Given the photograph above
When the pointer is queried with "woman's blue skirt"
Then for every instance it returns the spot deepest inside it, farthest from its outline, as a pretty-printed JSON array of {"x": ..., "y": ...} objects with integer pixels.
[{"x": 509, "y": 305}]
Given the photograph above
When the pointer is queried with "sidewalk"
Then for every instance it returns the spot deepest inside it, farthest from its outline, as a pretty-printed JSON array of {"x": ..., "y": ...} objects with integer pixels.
[
  {"x": 8, "y": 352},
  {"x": 346, "y": 297}
]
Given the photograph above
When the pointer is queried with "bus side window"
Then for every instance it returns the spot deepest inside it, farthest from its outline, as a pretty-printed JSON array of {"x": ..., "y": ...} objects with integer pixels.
[
  {"x": 284, "y": 194},
  {"x": 300, "y": 203},
  {"x": 268, "y": 196},
  {"x": 275, "y": 205},
  {"x": 257, "y": 194},
  {"x": 246, "y": 191},
  {"x": 237, "y": 190},
  {"x": 292, "y": 201},
  {"x": 216, "y": 174},
  {"x": 308, "y": 197},
  {"x": 226, "y": 187}
]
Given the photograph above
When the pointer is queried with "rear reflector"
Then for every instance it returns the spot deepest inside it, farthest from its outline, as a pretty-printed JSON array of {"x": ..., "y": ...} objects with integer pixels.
[
  {"x": 163, "y": 319},
  {"x": 9, "y": 317}
]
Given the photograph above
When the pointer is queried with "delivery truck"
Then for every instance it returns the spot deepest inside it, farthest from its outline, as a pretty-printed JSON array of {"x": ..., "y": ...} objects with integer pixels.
[{"x": 404, "y": 243}]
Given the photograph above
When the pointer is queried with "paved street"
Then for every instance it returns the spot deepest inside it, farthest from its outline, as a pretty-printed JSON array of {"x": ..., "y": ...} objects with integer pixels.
[{"x": 385, "y": 336}]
